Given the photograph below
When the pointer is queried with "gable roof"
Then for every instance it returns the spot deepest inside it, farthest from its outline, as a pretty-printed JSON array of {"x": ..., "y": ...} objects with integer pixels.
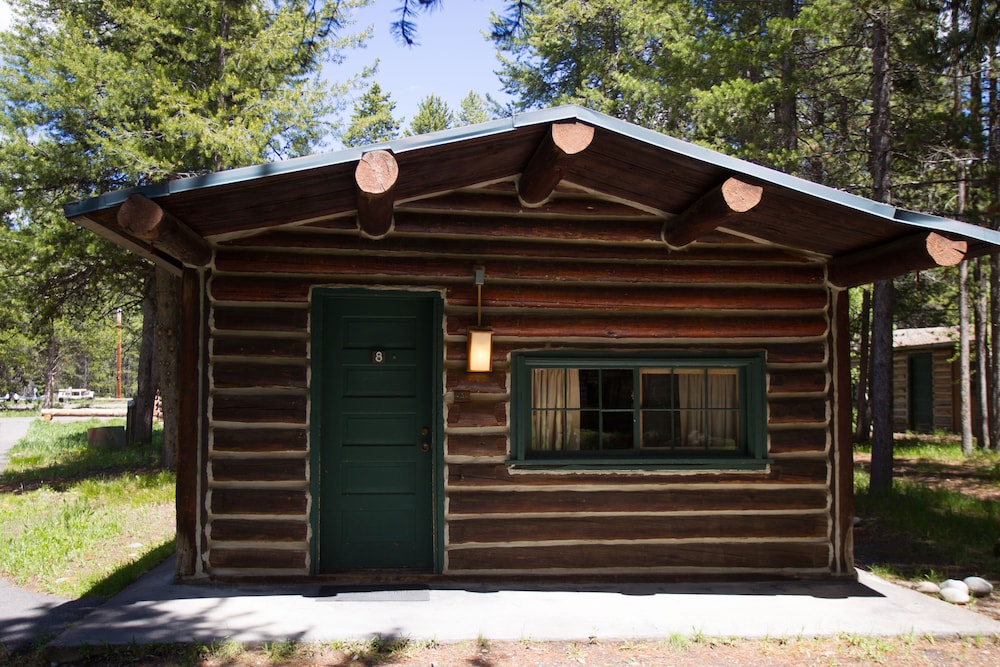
[{"x": 625, "y": 173}]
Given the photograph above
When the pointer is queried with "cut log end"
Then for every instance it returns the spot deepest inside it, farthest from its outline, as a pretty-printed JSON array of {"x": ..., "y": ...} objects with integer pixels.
[
  {"x": 944, "y": 251},
  {"x": 140, "y": 216},
  {"x": 572, "y": 138},
  {"x": 740, "y": 196},
  {"x": 376, "y": 172}
]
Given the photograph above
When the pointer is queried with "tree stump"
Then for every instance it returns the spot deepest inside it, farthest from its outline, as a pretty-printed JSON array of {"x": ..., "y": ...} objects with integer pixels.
[{"x": 106, "y": 437}]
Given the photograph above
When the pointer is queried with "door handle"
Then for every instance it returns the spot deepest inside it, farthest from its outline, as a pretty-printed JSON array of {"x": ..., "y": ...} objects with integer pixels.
[{"x": 425, "y": 446}]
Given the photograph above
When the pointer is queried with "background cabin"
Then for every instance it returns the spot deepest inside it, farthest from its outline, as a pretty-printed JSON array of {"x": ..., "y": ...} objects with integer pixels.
[{"x": 665, "y": 392}]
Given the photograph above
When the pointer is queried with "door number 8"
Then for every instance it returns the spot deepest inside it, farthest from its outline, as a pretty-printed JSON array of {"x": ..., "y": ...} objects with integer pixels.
[{"x": 378, "y": 356}]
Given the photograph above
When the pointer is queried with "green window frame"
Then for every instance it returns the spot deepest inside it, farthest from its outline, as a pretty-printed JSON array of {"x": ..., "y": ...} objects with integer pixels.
[{"x": 601, "y": 411}]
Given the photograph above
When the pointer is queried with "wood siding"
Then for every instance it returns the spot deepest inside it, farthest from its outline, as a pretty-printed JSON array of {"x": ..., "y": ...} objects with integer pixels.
[{"x": 607, "y": 285}]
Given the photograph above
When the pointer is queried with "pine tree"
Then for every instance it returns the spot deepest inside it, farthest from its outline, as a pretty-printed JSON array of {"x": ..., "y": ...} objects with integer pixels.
[
  {"x": 97, "y": 95},
  {"x": 372, "y": 120},
  {"x": 432, "y": 115},
  {"x": 472, "y": 109}
]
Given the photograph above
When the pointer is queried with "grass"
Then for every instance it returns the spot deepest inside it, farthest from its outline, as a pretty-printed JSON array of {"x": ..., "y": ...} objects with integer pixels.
[
  {"x": 76, "y": 521},
  {"x": 941, "y": 517}
]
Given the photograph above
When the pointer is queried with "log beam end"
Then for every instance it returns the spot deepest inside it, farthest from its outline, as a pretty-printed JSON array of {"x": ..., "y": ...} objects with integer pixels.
[
  {"x": 547, "y": 166},
  {"x": 146, "y": 220},
  {"x": 732, "y": 198},
  {"x": 376, "y": 176}
]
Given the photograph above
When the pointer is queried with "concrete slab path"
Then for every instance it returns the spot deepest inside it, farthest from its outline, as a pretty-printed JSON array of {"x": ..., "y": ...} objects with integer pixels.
[{"x": 155, "y": 610}]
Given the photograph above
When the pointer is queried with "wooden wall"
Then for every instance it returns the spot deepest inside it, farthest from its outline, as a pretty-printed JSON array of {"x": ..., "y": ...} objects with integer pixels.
[{"x": 602, "y": 284}]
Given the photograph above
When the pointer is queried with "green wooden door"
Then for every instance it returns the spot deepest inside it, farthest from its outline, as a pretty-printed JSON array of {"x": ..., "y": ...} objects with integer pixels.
[
  {"x": 376, "y": 430},
  {"x": 921, "y": 392}
]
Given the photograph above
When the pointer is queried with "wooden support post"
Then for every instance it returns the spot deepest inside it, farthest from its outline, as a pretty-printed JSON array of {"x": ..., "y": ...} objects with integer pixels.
[
  {"x": 188, "y": 421},
  {"x": 376, "y": 176},
  {"x": 146, "y": 220},
  {"x": 916, "y": 252},
  {"x": 546, "y": 168},
  {"x": 732, "y": 198}
]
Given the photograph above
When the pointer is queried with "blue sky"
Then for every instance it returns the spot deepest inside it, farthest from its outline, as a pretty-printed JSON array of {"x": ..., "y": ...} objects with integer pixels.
[{"x": 451, "y": 59}]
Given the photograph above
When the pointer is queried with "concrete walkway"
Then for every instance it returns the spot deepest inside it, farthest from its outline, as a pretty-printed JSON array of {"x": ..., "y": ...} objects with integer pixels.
[{"x": 154, "y": 610}]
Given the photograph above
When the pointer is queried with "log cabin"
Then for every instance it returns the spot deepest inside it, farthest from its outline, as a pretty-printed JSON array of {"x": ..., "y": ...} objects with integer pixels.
[
  {"x": 554, "y": 345},
  {"x": 926, "y": 380}
]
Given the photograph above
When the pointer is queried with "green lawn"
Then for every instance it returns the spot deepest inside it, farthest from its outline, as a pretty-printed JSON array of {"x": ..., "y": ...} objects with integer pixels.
[{"x": 76, "y": 521}]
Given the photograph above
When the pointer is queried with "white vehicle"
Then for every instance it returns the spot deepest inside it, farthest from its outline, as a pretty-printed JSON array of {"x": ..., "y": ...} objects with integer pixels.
[{"x": 71, "y": 394}]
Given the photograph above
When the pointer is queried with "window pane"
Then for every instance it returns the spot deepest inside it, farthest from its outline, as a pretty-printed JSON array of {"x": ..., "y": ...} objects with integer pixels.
[{"x": 616, "y": 389}]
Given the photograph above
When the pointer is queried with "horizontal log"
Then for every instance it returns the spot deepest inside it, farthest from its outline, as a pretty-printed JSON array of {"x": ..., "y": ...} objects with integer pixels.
[
  {"x": 476, "y": 383},
  {"x": 262, "y": 262},
  {"x": 144, "y": 219},
  {"x": 258, "y": 409},
  {"x": 486, "y": 475},
  {"x": 730, "y": 199},
  {"x": 666, "y": 500},
  {"x": 797, "y": 381},
  {"x": 477, "y": 413},
  {"x": 259, "y": 530},
  {"x": 798, "y": 440},
  {"x": 258, "y": 470},
  {"x": 796, "y": 353},
  {"x": 639, "y": 556},
  {"x": 468, "y": 236},
  {"x": 476, "y": 445},
  {"x": 228, "y": 318},
  {"x": 565, "y": 326},
  {"x": 917, "y": 252},
  {"x": 587, "y": 297},
  {"x": 796, "y": 410},
  {"x": 258, "y": 440},
  {"x": 553, "y": 295},
  {"x": 256, "y": 559},
  {"x": 501, "y": 203},
  {"x": 230, "y": 374},
  {"x": 533, "y": 529},
  {"x": 292, "y": 348},
  {"x": 258, "y": 501}
]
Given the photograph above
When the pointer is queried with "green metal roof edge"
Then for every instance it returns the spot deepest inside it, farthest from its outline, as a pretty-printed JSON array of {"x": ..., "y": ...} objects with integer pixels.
[{"x": 539, "y": 117}]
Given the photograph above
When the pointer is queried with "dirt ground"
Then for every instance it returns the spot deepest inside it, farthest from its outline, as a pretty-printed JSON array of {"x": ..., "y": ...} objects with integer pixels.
[{"x": 678, "y": 651}]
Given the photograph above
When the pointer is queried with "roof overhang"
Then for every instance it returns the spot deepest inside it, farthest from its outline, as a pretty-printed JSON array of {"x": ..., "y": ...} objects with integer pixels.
[{"x": 561, "y": 163}]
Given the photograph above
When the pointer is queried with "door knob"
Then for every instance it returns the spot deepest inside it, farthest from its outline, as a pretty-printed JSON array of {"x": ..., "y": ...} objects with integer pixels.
[{"x": 425, "y": 446}]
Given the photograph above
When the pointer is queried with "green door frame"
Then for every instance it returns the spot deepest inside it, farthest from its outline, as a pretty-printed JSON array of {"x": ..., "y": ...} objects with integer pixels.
[{"x": 318, "y": 304}]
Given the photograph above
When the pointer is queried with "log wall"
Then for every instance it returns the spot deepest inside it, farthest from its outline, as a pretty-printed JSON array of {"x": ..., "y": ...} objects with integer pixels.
[{"x": 548, "y": 286}]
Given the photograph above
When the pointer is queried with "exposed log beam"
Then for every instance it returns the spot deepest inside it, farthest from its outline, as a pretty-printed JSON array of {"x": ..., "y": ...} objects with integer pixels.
[
  {"x": 557, "y": 151},
  {"x": 916, "y": 252},
  {"x": 732, "y": 198},
  {"x": 376, "y": 176},
  {"x": 146, "y": 220}
]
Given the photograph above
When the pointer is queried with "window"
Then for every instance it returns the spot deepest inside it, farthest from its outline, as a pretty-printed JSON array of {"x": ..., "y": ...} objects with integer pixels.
[{"x": 600, "y": 411}]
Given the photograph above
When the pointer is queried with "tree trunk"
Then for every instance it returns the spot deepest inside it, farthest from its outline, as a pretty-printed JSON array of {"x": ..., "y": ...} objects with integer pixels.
[
  {"x": 863, "y": 429},
  {"x": 884, "y": 292},
  {"x": 965, "y": 374},
  {"x": 167, "y": 347},
  {"x": 982, "y": 357},
  {"x": 141, "y": 426}
]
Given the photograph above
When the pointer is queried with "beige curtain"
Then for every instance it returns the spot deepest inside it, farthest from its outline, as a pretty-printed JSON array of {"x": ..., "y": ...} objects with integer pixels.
[
  {"x": 555, "y": 413},
  {"x": 709, "y": 403}
]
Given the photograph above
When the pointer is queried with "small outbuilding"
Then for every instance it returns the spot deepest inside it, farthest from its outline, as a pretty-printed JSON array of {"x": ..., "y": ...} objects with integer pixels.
[
  {"x": 552, "y": 345},
  {"x": 926, "y": 378}
]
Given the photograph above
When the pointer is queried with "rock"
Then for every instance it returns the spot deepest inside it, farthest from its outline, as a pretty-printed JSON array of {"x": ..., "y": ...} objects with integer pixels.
[
  {"x": 978, "y": 586},
  {"x": 955, "y": 595},
  {"x": 927, "y": 587},
  {"x": 956, "y": 584}
]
